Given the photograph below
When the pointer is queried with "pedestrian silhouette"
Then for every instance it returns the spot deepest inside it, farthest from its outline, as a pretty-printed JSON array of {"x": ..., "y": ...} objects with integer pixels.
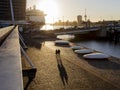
[
  {"x": 61, "y": 68},
  {"x": 58, "y": 51}
]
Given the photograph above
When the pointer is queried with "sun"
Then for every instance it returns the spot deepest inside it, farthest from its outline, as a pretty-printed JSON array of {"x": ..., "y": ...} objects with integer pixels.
[{"x": 50, "y": 8}]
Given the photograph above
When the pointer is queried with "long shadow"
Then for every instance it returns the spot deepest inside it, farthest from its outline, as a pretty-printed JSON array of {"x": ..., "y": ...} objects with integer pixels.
[
  {"x": 62, "y": 71},
  {"x": 62, "y": 45},
  {"x": 33, "y": 43},
  {"x": 104, "y": 64},
  {"x": 36, "y": 43}
]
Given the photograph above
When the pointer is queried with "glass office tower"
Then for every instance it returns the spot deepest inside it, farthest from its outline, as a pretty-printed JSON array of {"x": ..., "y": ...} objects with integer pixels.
[{"x": 12, "y": 10}]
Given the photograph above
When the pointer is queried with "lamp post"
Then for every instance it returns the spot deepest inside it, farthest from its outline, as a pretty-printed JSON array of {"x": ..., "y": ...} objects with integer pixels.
[
  {"x": 12, "y": 12},
  {"x": 53, "y": 22},
  {"x": 63, "y": 22},
  {"x": 85, "y": 19}
]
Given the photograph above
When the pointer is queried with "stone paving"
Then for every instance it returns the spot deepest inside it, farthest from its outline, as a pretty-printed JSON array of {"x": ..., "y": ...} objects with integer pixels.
[{"x": 67, "y": 71}]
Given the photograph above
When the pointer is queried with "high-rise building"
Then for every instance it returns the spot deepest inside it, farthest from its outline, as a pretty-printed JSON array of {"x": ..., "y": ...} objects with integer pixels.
[
  {"x": 12, "y": 10},
  {"x": 79, "y": 19}
]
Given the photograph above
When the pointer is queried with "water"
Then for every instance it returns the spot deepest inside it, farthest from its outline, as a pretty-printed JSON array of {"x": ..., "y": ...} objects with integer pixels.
[
  {"x": 66, "y": 37},
  {"x": 51, "y": 27},
  {"x": 103, "y": 46}
]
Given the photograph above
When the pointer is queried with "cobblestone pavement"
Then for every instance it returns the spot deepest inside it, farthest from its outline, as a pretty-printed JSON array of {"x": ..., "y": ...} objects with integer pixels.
[{"x": 65, "y": 71}]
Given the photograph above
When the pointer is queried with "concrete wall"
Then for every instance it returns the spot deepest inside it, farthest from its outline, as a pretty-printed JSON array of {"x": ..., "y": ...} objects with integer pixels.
[{"x": 10, "y": 61}]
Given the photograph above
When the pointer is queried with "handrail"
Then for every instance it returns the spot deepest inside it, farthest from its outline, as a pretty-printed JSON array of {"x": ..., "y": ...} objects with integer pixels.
[
  {"x": 4, "y": 32},
  {"x": 27, "y": 58}
]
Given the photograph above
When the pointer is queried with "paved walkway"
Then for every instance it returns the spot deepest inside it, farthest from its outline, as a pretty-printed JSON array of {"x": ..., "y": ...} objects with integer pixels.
[{"x": 65, "y": 72}]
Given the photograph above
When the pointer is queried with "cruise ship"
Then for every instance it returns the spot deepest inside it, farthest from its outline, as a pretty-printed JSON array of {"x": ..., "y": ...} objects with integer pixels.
[{"x": 35, "y": 18}]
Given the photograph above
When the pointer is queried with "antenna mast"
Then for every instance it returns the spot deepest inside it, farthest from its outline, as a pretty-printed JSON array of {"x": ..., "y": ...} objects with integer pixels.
[{"x": 85, "y": 16}]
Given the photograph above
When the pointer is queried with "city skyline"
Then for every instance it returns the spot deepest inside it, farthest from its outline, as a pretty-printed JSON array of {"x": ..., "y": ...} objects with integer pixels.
[{"x": 96, "y": 10}]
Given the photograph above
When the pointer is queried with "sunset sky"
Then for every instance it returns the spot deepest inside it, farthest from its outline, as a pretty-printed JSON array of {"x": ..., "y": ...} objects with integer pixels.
[{"x": 96, "y": 9}]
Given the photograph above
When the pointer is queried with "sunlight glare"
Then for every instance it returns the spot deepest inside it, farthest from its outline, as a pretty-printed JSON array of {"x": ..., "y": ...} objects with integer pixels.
[{"x": 50, "y": 8}]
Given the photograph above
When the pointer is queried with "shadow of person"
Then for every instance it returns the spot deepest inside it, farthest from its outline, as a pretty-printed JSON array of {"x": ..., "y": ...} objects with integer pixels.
[{"x": 62, "y": 70}]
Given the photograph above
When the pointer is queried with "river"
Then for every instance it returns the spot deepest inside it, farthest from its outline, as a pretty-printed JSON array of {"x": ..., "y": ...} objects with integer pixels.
[
  {"x": 52, "y": 27},
  {"x": 103, "y": 46}
]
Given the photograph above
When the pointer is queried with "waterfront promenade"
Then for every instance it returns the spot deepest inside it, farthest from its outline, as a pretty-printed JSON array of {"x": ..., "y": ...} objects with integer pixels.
[
  {"x": 69, "y": 71},
  {"x": 10, "y": 59}
]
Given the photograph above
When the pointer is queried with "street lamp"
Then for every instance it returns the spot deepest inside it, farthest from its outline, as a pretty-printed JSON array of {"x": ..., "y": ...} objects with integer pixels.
[
  {"x": 63, "y": 22},
  {"x": 12, "y": 12}
]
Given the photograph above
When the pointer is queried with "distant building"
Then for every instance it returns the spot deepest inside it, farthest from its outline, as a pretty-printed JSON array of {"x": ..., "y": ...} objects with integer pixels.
[
  {"x": 79, "y": 19},
  {"x": 12, "y": 10},
  {"x": 34, "y": 15}
]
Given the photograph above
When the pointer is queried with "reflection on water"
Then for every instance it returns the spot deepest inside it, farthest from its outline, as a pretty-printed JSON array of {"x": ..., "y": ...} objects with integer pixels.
[
  {"x": 66, "y": 37},
  {"x": 102, "y": 46},
  {"x": 47, "y": 27},
  {"x": 52, "y": 27}
]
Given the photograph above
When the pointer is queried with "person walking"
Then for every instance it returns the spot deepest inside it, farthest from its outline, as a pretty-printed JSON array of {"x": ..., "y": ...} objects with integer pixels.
[
  {"x": 56, "y": 51},
  {"x": 59, "y": 51}
]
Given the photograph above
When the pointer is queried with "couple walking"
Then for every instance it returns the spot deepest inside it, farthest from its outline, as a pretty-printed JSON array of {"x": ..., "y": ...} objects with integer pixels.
[{"x": 57, "y": 52}]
